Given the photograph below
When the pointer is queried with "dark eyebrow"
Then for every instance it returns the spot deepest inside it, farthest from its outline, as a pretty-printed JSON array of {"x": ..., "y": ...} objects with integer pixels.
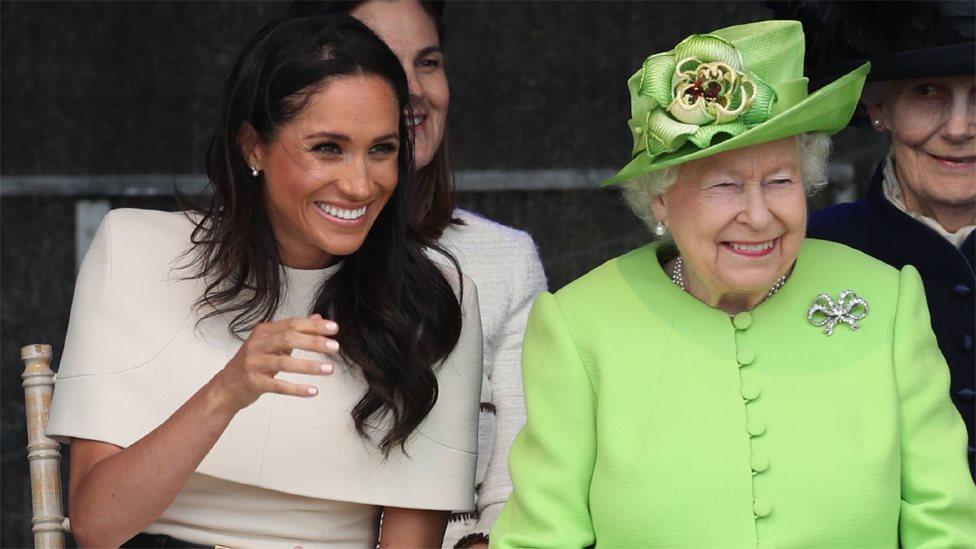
[
  {"x": 329, "y": 135},
  {"x": 429, "y": 50},
  {"x": 346, "y": 138}
]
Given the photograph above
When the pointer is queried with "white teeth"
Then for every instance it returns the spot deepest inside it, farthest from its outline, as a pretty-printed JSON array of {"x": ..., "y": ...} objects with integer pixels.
[
  {"x": 414, "y": 121},
  {"x": 340, "y": 212},
  {"x": 752, "y": 247}
]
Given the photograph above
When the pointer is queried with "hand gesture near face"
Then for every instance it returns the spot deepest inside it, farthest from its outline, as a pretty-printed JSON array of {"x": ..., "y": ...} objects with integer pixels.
[{"x": 267, "y": 351}]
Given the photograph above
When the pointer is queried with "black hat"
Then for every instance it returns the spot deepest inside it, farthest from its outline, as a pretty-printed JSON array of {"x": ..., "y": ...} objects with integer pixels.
[{"x": 902, "y": 40}]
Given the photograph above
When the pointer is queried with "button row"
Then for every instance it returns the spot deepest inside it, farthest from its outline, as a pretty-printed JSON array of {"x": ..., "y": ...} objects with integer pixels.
[{"x": 755, "y": 427}]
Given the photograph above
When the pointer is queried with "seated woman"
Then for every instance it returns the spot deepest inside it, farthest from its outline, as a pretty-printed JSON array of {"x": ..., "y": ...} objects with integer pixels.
[
  {"x": 736, "y": 385},
  {"x": 501, "y": 261},
  {"x": 280, "y": 367}
]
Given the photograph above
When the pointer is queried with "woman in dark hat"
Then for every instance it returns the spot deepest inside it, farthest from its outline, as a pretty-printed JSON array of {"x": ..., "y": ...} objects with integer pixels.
[{"x": 920, "y": 208}]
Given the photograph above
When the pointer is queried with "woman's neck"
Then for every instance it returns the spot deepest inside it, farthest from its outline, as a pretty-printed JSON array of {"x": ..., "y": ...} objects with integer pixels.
[
  {"x": 730, "y": 302},
  {"x": 306, "y": 259},
  {"x": 951, "y": 217}
]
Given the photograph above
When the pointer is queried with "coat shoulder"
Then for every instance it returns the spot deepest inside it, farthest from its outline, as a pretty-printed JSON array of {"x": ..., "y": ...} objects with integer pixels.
[
  {"x": 835, "y": 257},
  {"x": 839, "y": 222},
  {"x": 488, "y": 242},
  {"x": 501, "y": 260},
  {"x": 149, "y": 234},
  {"x": 614, "y": 282}
]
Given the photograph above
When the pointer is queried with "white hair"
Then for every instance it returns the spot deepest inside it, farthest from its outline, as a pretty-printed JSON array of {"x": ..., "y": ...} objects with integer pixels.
[{"x": 814, "y": 150}]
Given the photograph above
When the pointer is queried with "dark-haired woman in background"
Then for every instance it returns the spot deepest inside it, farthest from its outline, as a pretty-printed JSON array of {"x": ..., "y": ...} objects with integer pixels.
[
  {"x": 502, "y": 262},
  {"x": 301, "y": 280}
]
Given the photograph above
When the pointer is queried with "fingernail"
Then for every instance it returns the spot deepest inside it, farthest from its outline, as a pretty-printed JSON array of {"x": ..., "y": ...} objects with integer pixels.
[
  {"x": 329, "y": 325},
  {"x": 332, "y": 344},
  {"x": 312, "y": 391},
  {"x": 326, "y": 368}
]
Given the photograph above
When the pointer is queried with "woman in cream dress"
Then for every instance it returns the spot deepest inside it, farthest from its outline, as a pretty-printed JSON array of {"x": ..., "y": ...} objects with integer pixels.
[
  {"x": 278, "y": 368},
  {"x": 502, "y": 261}
]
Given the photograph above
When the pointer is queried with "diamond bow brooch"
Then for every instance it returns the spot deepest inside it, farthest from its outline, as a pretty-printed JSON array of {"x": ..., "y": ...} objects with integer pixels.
[{"x": 848, "y": 309}]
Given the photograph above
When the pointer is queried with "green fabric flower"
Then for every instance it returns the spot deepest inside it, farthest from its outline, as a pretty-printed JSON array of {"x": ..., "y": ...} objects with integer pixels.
[{"x": 695, "y": 92}]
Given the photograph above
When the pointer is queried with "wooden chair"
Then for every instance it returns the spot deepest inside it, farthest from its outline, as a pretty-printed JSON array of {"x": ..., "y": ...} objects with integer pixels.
[{"x": 49, "y": 524}]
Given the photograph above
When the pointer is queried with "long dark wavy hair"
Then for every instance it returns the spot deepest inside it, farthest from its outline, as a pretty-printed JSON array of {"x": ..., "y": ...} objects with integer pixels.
[
  {"x": 431, "y": 199},
  {"x": 398, "y": 314}
]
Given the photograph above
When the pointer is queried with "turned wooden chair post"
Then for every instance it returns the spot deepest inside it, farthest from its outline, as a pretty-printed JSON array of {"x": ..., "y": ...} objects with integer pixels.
[{"x": 42, "y": 452}]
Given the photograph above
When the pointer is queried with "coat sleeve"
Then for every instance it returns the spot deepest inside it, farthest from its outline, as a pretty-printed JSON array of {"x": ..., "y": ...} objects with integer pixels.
[
  {"x": 551, "y": 460},
  {"x": 938, "y": 499}
]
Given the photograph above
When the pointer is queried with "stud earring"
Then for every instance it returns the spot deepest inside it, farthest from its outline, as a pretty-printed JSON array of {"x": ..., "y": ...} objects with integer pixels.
[
  {"x": 878, "y": 124},
  {"x": 254, "y": 171},
  {"x": 660, "y": 229}
]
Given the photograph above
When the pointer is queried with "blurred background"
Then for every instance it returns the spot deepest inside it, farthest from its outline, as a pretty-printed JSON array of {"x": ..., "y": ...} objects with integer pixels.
[{"x": 111, "y": 104}]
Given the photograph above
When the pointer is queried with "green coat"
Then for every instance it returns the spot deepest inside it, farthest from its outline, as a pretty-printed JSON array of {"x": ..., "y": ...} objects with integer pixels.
[{"x": 657, "y": 421}]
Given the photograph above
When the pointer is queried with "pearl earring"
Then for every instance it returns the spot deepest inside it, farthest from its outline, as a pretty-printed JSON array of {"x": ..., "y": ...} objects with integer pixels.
[
  {"x": 878, "y": 124},
  {"x": 254, "y": 171},
  {"x": 660, "y": 229}
]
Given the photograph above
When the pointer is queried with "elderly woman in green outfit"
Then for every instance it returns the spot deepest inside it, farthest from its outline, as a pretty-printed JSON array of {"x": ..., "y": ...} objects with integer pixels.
[{"x": 736, "y": 385}]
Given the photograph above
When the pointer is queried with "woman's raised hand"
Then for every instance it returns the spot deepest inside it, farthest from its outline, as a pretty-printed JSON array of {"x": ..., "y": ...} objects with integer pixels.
[{"x": 267, "y": 351}]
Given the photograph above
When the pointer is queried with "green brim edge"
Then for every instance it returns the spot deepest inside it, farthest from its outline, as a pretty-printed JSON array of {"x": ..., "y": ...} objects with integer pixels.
[{"x": 828, "y": 110}]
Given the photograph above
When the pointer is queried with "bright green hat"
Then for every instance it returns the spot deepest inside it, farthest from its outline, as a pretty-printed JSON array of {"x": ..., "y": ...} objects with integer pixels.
[{"x": 729, "y": 89}]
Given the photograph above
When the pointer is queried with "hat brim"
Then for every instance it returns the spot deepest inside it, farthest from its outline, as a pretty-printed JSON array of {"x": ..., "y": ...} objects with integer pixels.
[
  {"x": 952, "y": 60},
  {"x": 828, "y": 110}
]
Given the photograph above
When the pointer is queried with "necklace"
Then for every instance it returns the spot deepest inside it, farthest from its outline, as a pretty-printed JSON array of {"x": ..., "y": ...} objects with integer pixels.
[{"x": 678, "y": 278}]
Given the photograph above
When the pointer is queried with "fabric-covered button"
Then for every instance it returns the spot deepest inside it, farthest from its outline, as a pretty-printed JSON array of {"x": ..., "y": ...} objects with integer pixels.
[
  {"x": 742, "y": 320},
  {"x": 966, "y": 343},
  {"x": 765, "y": 544},
  {"x": 762, "y": 507},
  {"x": 745, "y": 356},
  {"x": 750, "y": 391},
  {"x": 967, "y": 395},
  {"x": 962, "y": 291},
  {"x": 755, "y": 427},
  {"x": 759, "y": 463}
]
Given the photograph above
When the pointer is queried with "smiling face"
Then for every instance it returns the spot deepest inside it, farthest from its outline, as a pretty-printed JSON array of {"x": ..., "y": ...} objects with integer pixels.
[
  {"x": 330, "y": 171},
  {"x": 738, "y": 219},
  {"x": 410, "y": 32},
  {"x": 933, "y": 131}
]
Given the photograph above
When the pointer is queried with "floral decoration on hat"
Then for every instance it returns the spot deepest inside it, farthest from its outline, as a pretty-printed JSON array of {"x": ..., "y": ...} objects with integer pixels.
[
  {"x": 727, "y": 89},
  {"x": 696, "y": 91}
]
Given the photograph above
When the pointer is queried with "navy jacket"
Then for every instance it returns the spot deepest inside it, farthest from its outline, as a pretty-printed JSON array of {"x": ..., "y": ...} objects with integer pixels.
[{"x": 876, "y": 227}]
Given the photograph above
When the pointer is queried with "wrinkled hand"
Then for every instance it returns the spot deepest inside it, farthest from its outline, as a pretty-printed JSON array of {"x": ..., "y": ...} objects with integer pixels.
[{"x": 267, "y": 351}]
